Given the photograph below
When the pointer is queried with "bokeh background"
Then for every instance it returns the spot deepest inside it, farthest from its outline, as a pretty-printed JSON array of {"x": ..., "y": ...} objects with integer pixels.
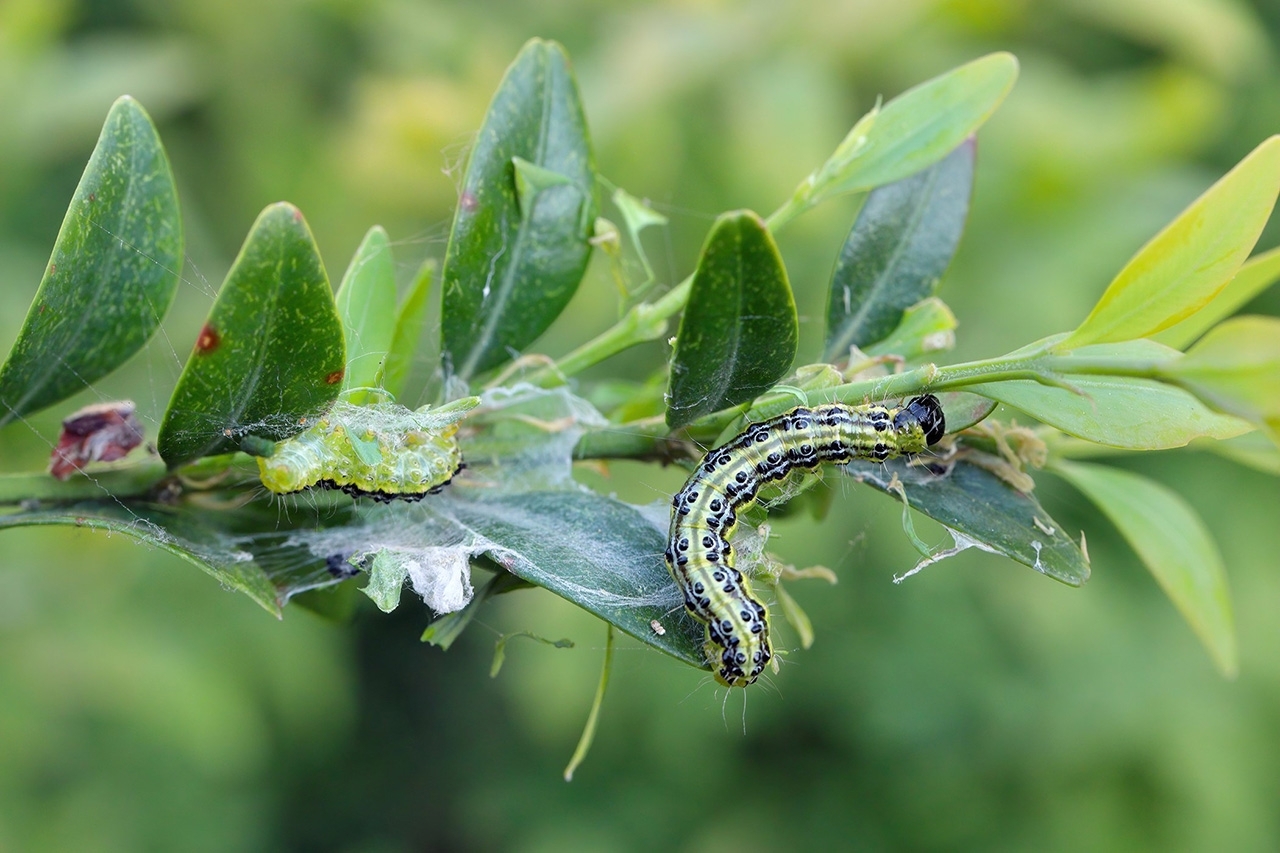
[{"x": 978, "y": 706}]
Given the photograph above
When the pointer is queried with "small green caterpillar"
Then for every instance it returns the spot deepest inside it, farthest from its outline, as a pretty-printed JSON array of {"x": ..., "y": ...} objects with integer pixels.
[
  {"x": 729, "y": 478},
  {"x": 383, "y": 451}
]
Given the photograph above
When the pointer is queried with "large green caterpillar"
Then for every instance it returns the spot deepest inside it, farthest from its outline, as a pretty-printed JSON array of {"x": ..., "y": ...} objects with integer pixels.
[
  {"x": 729, "y": 478},
  {"x": 383, "y": 451}
]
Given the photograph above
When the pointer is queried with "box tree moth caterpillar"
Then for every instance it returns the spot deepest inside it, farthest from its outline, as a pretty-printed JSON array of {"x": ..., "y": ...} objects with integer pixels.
[
  {"x": 384, "y": 451},
  {"x": 729, "y": 478}
]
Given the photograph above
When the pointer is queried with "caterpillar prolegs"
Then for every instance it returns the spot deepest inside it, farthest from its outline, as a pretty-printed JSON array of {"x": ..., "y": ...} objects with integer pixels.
[{"x": 729, "y": 478}]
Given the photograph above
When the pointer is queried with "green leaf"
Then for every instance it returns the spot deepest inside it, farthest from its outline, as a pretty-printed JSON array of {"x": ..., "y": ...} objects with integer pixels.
[
  {"x": 601, "y": 554},
  {"x": 1236, "y": 369},
  {"x": 1256, "y": 275},
  {"x": 112, "y": 275},
  {"x": 270, "y": 354},
  {"x": 986, "y": 512},
  {"x": 1119, "y": 411},
  {"x": 520, "y": 240},
  {"x": 411, "y": 317},
  {"x": 916, "y": 129},
  {"x": 366, "y": 303},
  {"x": 1173, "y": 543},
  {"x": 249, "y": 549},
  {"x": 963, "y": 409},
  {"x": 926, "y": 328},
  {"x": 901, "y": 244},
  {"x": 1192, "y": 259},
  {"x": 1253, "y": 450},
  {"x": 739, "y": 331}
]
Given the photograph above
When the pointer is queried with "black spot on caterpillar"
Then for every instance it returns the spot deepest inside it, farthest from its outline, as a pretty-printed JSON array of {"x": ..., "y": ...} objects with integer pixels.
[
  {"x": 729, "y": 478},
  {"x": 383, "y": 451}
]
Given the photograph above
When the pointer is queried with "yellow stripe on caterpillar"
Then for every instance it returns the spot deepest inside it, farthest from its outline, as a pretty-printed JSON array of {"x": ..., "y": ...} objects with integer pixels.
[{"x": 729, "y": 478}]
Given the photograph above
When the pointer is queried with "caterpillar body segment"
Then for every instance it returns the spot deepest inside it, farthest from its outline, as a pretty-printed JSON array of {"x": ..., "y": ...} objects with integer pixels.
[{"x": 729, "y": 478}]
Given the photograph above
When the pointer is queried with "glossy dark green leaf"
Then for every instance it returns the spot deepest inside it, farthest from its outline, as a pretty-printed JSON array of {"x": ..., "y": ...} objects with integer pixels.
[
  {"x": 981, "y": 508},
  {"x": 366, "y": 303},
  {"x": 901, "y": 244},
  {"x": 1173, "y": 543},
  {"x": 601, "y": 554},
  {"x": 411, "y": 317},
  {"x": 247, "y": 549},
  {"x": 112, "y": 275},
  {"x": 739, "y": 331},
  {"x": 519, "y": 245},
  {"x": 271, "y": 352}
]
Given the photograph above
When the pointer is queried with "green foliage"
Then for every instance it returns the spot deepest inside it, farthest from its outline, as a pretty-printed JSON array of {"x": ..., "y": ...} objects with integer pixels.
[
  {"x": 900, "y": 245},
  {"x": 366, "y": 302},
  {"x": 270, "y": 354},
  {"x": 519, "y": 244},
  {"x": 271, "y": 358},
  {"x": 738, "y": 333},
  {"x": 97, "y": 305}
]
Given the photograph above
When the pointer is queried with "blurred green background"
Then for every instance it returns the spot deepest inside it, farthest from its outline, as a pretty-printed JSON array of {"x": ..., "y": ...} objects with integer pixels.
[{"x": 978, "y": 706}]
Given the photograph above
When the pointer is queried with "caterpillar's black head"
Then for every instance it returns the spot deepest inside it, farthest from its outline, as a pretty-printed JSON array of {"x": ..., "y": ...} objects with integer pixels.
[{"x": 927, "y": 412}]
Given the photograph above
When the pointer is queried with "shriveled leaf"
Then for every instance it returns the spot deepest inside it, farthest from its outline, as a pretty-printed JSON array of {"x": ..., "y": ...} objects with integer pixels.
[
  {"x": 916, "y": 129},
  {"x": 739, "y": 331},
  {"x": 1119, "y": 411},
  {"x": 1255, "y": 275},
  {"x": 1236, "y": 369},
  {"x": 445, "y": 630},
  {"x": 270, "y": 354},
  {"x": 901, "y": 244},
  {"x": 366, "y": 303},
  {"x": 1192, "y": 259},
  {"x": 1173, "y": 543},
  {"x": 411, "y": 317},
  {"x": 112, "y": 275},
  {"x": 986, "y": 512},
  {"x": 520, "y": 239}
]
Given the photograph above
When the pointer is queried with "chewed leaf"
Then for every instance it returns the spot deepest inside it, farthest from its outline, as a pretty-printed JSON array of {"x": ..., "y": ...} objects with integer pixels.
[
  {"x": 1192, "y": 259},
  {"x": 739, "y": 331},
  {"x": 983, "y": 508},
  {"x": 900, "y": 245},
  {"x": 1173, "y": 543},
  {"x": 112, "y": 275},
  {"x": 270, "y": 354},
  {"x": 521, "y": 232}
]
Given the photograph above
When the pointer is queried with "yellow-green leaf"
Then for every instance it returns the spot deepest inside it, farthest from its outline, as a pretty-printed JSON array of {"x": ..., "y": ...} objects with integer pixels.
[
  {"x": 1174, "y": 545},
  {"x": 1236, "y": 369},
  {"x": 1192, "y": 259},
  {"x": 1256, "y": 275}
]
